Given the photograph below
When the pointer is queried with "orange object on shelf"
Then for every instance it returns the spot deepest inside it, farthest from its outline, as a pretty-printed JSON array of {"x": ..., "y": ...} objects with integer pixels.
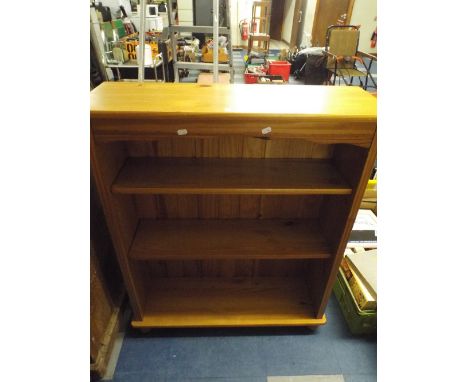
[{"x": 207, "y": 55}]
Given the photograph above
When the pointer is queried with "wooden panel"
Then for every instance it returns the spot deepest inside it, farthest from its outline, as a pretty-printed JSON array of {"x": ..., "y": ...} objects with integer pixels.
[
  {"x": 243, "y": 147},
  {"x": 106, "y": 160},
  {"x": 333, "y": 264},
  {"x": 349, "y": 160},
  {"x": 335, "y": 210},
  {"x": 247, "y": 206},
  {"x": 296, "y": 148},
  {"x": 227, "y": 206},
  {"x": 253, "y": 147},
  {"x": 327, "y": 12},
  {"x": 324, "y": 114},
  {"x": 288, "y": 207},
  {"x": 147, "y": 207},
  {"x": 140, "y": 149},
  {"x": 296, "y": 25},
  {"x": 206, "y": 147},
  {"x": 105, "y": 314},
  {"x": 234, "y": 100},
  {"x": 197, "y": 302},
  {"x": 276, "y": 19},
  {"x": 333, "y": 216},
  {"x": 228, "y": 239},
  {"x": 208, "y": 207},
  {"x": 229, "y": 176},
  {"x": 229, "y": 264},
  {"x": 317, "y": 274},
  {"x": 101, "y": 306},
  {"x": 227, "y": 268}
]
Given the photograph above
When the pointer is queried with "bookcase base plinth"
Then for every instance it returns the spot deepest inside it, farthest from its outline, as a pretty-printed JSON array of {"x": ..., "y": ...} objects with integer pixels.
[{"x": 216, "y": 302}]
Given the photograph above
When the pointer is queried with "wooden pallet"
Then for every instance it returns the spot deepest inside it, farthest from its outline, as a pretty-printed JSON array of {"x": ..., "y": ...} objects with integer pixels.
[{"x": 99, "y": 366}]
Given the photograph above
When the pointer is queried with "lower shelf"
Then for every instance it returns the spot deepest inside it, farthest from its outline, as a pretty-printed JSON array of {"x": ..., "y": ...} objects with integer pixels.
[{"x": 221, "y": 302}]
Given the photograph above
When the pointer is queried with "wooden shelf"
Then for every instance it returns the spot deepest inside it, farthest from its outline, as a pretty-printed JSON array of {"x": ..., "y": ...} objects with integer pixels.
[
  {"x": 198, "y": 302},
  {"x": 228, "y": 239},
  {"x": 229, "y": 176}
]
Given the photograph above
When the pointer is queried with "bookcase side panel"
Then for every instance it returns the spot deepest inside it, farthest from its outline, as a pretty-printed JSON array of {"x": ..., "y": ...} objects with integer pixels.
[
  {"x": 106, "y": 161},
  {"x": 338, "y": 213}
]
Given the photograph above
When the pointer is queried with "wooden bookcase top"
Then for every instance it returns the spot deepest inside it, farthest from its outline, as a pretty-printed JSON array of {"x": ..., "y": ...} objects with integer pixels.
[
  {"x": 325, "y": 114},
  {"x": 185, "y": 100}
]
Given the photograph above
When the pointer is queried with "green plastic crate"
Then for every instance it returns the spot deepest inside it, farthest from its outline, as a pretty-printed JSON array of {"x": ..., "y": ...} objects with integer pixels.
[{"x": 359, "y": 321}]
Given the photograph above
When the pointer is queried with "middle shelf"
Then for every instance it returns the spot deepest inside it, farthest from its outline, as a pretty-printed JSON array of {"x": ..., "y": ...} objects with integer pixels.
[
  {"x": 271, "y": 176},
  {"x": 229, "y": 239}
]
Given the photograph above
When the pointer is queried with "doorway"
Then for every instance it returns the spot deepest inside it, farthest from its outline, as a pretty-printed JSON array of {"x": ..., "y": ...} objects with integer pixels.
[
  {"x": 328, "y": 12},
  {"x": 276, "y": 19},
  {"x": 293, "y": 20}
]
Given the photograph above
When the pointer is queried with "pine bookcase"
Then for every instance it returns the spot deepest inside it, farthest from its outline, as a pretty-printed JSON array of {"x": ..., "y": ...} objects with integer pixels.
[{"x": 230, "y": 205}]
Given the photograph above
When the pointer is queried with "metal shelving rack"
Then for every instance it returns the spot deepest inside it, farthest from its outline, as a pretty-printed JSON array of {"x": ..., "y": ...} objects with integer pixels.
[
  {"x": 100, "y": 48},
  {"x": 174, "y": 31}
]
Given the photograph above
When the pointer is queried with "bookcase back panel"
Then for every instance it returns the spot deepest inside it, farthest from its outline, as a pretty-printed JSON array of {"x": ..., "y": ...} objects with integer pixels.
[
  {"x": 229, "y": 147},
  {"x": 227, "y": 206},
  {"x": 226, "y": 268}
]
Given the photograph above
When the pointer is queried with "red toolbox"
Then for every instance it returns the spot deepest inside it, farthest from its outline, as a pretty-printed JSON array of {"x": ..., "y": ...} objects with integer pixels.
[
  {"x": 253, "y": 72},
  {"x": 281, "y": 68},
  {"x": 250, "y": 78}
]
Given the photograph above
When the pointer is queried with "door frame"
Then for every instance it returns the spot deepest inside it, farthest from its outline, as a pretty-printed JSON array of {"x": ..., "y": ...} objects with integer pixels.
[
  {"x": 281, "y": 19},
  {"x": 298, "y": 5},
  {"x": 317, "y": 7}
]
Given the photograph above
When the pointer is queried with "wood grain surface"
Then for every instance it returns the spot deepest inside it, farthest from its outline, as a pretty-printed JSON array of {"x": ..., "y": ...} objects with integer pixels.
[
  {"x": 323, "y": 114},
  {"x": 229, "y": 176},
  {"x": 228, "y": 239},
  {"x": 202, "y": 242},
  {"x": 197, "y": 302}
]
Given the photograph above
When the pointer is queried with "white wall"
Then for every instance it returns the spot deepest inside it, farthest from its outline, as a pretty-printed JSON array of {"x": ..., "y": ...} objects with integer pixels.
[
  {"x": 114, "y": 6},
  {"x": 308, "y": 23},
  {"x": 364, "y": 14},
  {"x": 185, "y": 12},
  {"x": 240, "y": 9}
]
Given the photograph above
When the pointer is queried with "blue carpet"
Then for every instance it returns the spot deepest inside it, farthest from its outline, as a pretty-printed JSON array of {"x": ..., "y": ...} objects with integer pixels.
[{"x": 247, "y": 354}]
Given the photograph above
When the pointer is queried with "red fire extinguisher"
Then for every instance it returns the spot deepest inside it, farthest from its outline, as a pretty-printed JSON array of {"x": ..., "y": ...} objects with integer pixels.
[
  {"x": 373, "y": 43},
  {"x": 244, "y": 29}
]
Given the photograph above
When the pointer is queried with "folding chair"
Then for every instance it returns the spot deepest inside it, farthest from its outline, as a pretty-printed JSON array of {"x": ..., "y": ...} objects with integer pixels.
[{"x": 341, "y": 47}]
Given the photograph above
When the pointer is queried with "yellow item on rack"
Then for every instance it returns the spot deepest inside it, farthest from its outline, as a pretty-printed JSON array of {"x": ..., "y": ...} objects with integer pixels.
[
  {"x": 369, "y": 200},
  {"x": 207, "y": 55}
]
